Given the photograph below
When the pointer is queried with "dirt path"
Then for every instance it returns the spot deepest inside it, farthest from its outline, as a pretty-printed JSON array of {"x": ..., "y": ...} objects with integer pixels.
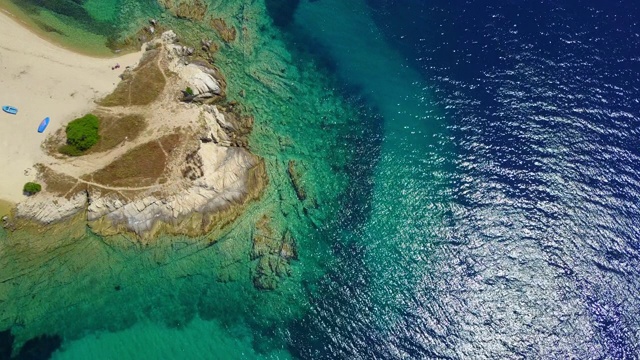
[{"x": 162, "y": 118}]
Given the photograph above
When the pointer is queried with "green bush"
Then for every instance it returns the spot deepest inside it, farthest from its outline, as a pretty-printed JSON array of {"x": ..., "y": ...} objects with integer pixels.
[
  {"x": 82, "y": 133},
  {"x": 31, "y": 188},
  {"x": 189, "y": 91}
]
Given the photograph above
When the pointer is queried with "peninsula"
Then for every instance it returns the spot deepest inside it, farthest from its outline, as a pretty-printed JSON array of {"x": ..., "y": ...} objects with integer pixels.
[{"x": 172, "y": 153}]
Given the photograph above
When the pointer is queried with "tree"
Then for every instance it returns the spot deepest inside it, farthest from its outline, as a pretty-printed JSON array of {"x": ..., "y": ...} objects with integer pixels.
[
  {"x": 31, "y": 188},
  {"x": 82, "y": 133}
]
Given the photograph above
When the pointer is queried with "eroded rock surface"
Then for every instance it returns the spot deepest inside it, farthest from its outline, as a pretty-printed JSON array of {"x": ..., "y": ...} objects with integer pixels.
[
  {"x": 230, "y": 176},
  {"x": 48, "y": 208},
  {"x": 225, "y": 128}
]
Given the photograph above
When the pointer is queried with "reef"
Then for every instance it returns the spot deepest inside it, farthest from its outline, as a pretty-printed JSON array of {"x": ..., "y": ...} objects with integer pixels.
[
  {"x": 273, "y": 253},
  {"x": 192, "y": 10}
]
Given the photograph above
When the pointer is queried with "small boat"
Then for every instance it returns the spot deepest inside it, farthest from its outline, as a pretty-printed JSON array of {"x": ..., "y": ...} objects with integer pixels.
[
  {"x": 43, "y": 125},
  {"x": 10, "y": 110}
]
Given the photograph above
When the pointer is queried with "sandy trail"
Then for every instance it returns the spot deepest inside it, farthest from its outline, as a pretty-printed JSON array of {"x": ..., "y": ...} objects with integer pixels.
[{"x": 41, "y": 79}]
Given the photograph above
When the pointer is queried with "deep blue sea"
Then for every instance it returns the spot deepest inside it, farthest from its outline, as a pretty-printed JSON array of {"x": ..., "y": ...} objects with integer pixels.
[
  {"x": 513, "y": 224},
  {"x": 493, "y": 201}
]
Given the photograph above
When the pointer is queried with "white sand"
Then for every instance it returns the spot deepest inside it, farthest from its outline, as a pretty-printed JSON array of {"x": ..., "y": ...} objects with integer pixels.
[{"x": 41, "y": 79}]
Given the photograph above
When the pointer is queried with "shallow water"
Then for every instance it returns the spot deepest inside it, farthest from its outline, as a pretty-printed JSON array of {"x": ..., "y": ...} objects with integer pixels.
[{"x": 476, "y": 172}]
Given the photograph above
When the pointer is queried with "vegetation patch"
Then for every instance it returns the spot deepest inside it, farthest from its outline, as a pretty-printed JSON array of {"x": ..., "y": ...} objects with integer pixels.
[
  {"x": 170, "y": 142},
  {"x": 59, "y": 184},
  {"x": 31, "y": 188},
  {"x": 82, "y": 134},
  {"x": 141, "y": 166},
  {"x": 141, "y": 86},
  {"x": 116, "y": 130}
]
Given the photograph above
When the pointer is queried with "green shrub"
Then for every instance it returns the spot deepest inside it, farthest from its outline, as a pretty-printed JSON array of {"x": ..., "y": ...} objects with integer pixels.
[
  {"x": 69, "y": 150},
  {"x": 31, "y": 188},
  {"x": 189, "y": 91},
  {"x": 82, "y": 133}
]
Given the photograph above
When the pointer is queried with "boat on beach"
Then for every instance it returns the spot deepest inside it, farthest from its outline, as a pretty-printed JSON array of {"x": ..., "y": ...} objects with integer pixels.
[
  {"x": 9, "y": 109},
  {"x": 43, "y": 125}
]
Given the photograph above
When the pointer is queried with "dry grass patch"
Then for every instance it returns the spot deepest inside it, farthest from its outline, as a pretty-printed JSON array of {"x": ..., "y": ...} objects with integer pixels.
[
  {"x": 115, "y": 130},
  {"x": 59, "y": 184},
  {"x": 141, "y": 166},
  {"x": 53, "y": 142},
  {"x": 170, "y": 142},
  {"x": 141, "y": 86}
]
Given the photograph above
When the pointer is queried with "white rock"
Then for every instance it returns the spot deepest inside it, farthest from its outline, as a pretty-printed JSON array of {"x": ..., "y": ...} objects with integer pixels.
[
  {"x": 199, "y": 81},
  {"x": 169, "y": 37},
  {"x": 47, "y": 208}
]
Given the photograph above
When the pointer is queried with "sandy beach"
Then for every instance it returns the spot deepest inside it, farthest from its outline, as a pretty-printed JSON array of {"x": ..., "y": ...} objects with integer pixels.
[{"x": 43, "y": 80}]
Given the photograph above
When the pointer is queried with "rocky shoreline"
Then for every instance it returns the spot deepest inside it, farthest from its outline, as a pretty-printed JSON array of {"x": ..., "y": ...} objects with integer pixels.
[{"x": 208, "y": 176}]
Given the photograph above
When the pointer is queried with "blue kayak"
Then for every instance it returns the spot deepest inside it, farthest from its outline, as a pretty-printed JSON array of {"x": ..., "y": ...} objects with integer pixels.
[
  {"x": 43, "y": 125},
  {"x": 10, "y": 110}
]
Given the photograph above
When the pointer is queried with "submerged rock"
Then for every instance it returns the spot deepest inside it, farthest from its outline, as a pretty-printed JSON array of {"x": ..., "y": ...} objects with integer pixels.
[
  {"x": 186, "y": 9},
  {"x": 268, "y": 272},
  {"x": 227, "y": 33},
  {"x": 273, "y": 253},
  {"x": 41, "y": 347},
  {"x": 294, "y": 176}
]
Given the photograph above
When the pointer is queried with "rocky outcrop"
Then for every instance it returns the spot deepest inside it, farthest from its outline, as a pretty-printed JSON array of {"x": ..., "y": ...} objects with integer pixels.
[
  {"x": 230, "y": 177},
  {"x": 183, "y": 50},
  {"x": 203, "y": 80},
  {"x": 201, "y": 179},
  {"x": 226, "y": 129},
  {"x": 47, "y": 208}
]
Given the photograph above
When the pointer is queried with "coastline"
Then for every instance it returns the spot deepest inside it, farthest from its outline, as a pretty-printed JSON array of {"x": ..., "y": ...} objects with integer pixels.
[
  {"x": 5, "y": 207},
  {"x": 18, "y": 15},
  {"x": 43, "y": 80},
  {"x": 197, "y": 171},
  {"x": 101, "y": 271}
]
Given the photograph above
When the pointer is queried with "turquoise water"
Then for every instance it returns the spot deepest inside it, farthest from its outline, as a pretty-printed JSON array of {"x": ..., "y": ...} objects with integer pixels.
[
  {"x": 408, "y": 176},
  {"x": 329, "y": 93},
  {"x": 473, "y": 180}
]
